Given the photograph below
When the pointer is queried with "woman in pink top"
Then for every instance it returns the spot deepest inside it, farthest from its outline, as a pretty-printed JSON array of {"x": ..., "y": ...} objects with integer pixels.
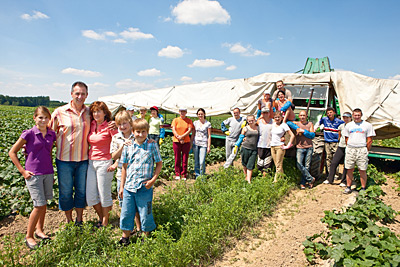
[
  {"x": 288, "y": 115},
  {"x": 100, "y": 172}
]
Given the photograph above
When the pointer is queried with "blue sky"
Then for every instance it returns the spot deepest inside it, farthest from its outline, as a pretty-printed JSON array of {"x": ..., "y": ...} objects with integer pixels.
[{"x": 125, "y": 46}]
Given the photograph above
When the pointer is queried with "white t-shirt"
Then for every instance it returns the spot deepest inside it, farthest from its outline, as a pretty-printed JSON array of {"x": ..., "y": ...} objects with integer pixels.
[
  {"x": 264, "y": 140},
  {"x": 358, "y": 133},
  {"x": 201, "y": 133},
  {"x": 277, "y": 132}
]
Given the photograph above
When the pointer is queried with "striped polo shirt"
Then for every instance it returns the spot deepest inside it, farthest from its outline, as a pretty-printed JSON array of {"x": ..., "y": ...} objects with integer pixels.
[{"x": 72, "y": 129}]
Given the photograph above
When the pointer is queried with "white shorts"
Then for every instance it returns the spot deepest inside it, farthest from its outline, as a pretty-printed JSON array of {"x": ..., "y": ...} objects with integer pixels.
[
  {"x": 356, "y": 155},
  {"x": 98, "y": 183}
]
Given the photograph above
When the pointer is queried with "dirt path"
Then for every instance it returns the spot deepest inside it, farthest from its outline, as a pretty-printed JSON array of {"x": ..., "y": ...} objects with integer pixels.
[{"x": 277, "y": 240}]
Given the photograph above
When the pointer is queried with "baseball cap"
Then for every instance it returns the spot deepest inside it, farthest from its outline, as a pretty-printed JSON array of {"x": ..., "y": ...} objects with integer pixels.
[
  {"x": 154, "y": 108},
  {"x": 264, "y": 109},
  {"x": 130, "y": 108},
  {"x": 346, "y": 114}
]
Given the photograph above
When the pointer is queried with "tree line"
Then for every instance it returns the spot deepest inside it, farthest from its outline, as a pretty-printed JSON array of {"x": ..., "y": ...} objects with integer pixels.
[{"x": 29, "y": 101}]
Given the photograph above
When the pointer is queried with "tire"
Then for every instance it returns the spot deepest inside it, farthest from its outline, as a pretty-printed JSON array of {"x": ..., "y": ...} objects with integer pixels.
[{"x": 317, "y": 164}]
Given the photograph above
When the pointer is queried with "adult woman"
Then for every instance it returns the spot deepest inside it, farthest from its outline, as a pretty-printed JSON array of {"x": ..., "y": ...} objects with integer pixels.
[
  {"x": 339, "y": 155},
  {"x": 279, "y": 104},
  {"x": 181, "y": 128},
  {"x": 278, "y": 148},
  {"x": 249, "y": 148},
  {"x": 264, "y": 160},
  {"x": 100, "y": 173},
  {"x": 201, "y": 139},
  {"x": 155, "y": 124},
  {"x": 266, "y": 102}
]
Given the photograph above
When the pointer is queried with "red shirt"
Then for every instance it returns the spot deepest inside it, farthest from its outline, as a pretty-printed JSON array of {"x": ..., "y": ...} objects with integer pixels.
[{"x": 100, "y": 140}]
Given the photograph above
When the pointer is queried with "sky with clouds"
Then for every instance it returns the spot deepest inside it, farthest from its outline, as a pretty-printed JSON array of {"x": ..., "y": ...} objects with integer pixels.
[{"x": 126, "y": 46}]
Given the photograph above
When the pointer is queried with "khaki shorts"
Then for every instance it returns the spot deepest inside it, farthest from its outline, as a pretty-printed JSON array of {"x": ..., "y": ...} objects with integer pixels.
[
  {"x": 356, "y": 155},
  {"x": 40, "y": 188}
]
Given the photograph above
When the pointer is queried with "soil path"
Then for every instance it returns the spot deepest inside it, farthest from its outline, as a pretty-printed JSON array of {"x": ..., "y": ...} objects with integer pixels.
[{"x": 277, "y": 241}]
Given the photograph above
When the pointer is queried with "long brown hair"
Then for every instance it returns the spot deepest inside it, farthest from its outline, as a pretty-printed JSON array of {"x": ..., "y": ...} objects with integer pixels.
[{"x": 100, "y": 105}]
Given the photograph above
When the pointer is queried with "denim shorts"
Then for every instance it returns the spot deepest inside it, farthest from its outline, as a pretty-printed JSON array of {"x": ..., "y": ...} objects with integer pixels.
[
  {"x": 141, "y": 202},
  {"x": 72, "y": 184},
  {"x": 40, "y": 188}
]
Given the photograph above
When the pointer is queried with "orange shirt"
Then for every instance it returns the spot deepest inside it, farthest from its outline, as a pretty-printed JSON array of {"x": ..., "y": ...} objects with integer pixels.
[
  {"x": 72, "y": 129},
  {"x": 181, "y": 126}
]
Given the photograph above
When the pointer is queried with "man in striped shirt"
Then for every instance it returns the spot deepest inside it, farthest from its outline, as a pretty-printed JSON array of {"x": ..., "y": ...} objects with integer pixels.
[
  {"x": 331, "y": 134},
  {"x": 71, "y": 123}
]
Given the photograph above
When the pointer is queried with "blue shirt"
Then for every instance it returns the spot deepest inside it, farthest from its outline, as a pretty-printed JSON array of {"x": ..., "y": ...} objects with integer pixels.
[
  {"x": 331, "y": 132},
  {"x": 140, "y": 160}
]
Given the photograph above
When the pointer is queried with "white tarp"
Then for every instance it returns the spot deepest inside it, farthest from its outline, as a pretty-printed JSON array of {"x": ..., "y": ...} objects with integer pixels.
[{"x": 377, "y": 98}]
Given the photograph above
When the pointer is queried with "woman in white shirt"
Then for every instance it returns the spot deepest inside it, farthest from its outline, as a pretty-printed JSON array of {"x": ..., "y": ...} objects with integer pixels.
[
  {"x": 201, "y": 138},
  {"x": 278, "y": 148}
]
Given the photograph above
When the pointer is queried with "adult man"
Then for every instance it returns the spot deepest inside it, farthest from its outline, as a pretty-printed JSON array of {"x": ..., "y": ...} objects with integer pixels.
[
  {"x": 71, "y": 123},
  {"x": 358, "y": 134},
  {"x": 235, "y": 123},
  {"x": 143, "y": 114},
  {"x": 280, "y": 86},
  {"x": 131, "y": 111},
  {"x": 264, "y": 160},
  {"x": 331, "y": 135}
]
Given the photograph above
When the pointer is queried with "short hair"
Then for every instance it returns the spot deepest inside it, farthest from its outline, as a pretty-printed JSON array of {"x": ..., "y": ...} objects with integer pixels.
[
  {"x": 80, "y": 84},
  {"x": 100, "y": 105},
  {"x": 248, "y": 116},
  {"x": 143, "y": 108},
  {"x": 236, "y": 108},
  {"x": 357, "y": 110},
  {"x": 330, "y": 109},
  {"x": 279, "y": 81},
  {"x": 303, "y": 112},
  {"x": 42, "y": 110},
  {"x": 122, "y": 116},
  {"x": 278, "y": 113},
  {"x": 201, "y": 109},
  {"x": 141, "y": 124}
]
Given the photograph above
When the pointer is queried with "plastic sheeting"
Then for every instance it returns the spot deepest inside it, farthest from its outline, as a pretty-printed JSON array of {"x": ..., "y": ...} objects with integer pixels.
[{"x": 377, "y": 98}]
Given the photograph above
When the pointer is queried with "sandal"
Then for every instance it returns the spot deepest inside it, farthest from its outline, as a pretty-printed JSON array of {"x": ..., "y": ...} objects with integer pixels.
[
  {"x": 42, "y": 237},
  {"x": 312, "y": 183}
]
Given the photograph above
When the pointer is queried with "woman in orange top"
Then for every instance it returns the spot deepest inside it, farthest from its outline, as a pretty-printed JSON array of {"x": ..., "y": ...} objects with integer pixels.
[{"x": 181, "y": 128}]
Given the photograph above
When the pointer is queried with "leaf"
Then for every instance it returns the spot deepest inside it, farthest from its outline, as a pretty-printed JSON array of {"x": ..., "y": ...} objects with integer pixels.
[
  {"x": 372, "y": 252},
  {"x": 351, "y": 246},
  {"x": 337, "y": 253}
]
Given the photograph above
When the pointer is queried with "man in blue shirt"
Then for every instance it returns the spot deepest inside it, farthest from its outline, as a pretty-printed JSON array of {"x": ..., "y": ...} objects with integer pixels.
[{"x": 331, "y": 134}]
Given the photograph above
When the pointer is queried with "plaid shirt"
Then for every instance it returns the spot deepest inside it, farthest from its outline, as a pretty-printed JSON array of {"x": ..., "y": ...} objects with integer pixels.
[{"x": 140, "y": 159}]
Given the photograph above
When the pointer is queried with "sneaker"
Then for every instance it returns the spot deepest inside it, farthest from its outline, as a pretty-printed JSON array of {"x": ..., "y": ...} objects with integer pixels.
[
  {"x": 342, "y": 185},
  {"x": 347, "y": 190},
  {"x": 79, "y": 224},
  {"x": 177, "y": 177},
  {"x": 124, "y": 241},
  {"x": 184, "y": 178},
  {"x": 302, "y": 187},
  {"x": 326, "y": 182}
]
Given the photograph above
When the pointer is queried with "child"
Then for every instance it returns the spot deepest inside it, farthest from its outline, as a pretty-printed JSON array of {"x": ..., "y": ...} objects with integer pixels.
[
  {"x": 38, "y": 172},
  {"x": 123, "y": 138},
  {"x": 137, "y": 179},
  {"x": 155, "y": 123}
]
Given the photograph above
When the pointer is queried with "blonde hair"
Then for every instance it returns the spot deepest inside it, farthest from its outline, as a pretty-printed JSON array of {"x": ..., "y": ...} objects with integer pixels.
[
  {"x": 141, "y": 124},
  {"x": 122, "y": 116}
]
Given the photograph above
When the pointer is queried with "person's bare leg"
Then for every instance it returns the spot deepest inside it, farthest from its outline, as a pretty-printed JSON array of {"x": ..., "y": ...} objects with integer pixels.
[
  {"x": 99, "y": 211},
  {"x": 248, "y": 175},
  {"x": 363, "y": 178},
  {"x": 68, "y": 214},
  {"x": 126, "y": 234},
  {"x": 106, "y": 215},
  {"x": 245, "y": 170},
  {"x": 137, "y": 222},
  {"x": 40, "y": 223},
  {"x": 33, "y": 219},
  {"x": 349, "y": 177},
  {"x": 79, "y": 214}
]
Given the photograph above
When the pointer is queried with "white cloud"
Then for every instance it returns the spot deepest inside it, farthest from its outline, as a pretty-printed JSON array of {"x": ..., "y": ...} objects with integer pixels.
[
  {"x": 61, "y": 85},
  {"x": 35, "y": 15},
  {"x": 93, "y": 35},
  {"x": 200, "y": 12},
  {"x": 220, "y": 79},
  {"x": 206, "y": 63},
  {"x": 371, "y": 70},
  {"x": 120, "y": 41},
  {"x": 395, "y": 77},
  {"x": 84, "y": 73},
  {"x": 135, "y": 34},
  {"x": 112, "y": 34},
  {"x": 231, "y": 67},
  {"x": 133, "y": 85},
  {"x": 186, "y": 79},
  {"x": 171, "y": 52},
  {"x": 98, "y": 84},
  {"x": 149, "y": 72},
  {"x": 247, "y": 51}
]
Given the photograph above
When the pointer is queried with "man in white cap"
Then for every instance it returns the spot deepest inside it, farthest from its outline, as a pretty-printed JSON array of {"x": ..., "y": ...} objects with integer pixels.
[{"x": 131, "y": 111}]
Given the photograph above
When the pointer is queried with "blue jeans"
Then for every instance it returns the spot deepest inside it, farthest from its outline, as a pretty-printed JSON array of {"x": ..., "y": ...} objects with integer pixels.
[
  {"x": 72, "y": 174},
  {"x": 141, "y": 202},
  {"x": 200, "y": 153},
  {"x": 303, "y": 161}
]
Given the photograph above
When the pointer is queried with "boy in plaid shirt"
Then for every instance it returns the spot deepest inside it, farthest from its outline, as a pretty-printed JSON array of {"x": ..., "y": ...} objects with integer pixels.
[{"x": 137, "y": 180}]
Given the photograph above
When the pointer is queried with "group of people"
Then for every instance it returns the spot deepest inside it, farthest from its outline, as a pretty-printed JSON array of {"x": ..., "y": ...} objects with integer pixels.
[{"x": 90, "y": 147}]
